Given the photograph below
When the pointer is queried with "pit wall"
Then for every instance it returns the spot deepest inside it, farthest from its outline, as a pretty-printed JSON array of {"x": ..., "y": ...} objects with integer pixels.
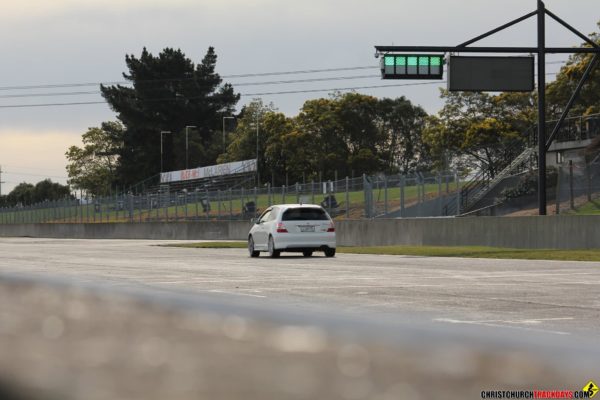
[{"x": 551, "y": 232}]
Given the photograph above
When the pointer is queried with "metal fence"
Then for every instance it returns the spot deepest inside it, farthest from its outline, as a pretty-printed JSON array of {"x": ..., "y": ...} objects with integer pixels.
[
  {"x": 415, "y": 195},
  {"x": 577, "y": 186}
]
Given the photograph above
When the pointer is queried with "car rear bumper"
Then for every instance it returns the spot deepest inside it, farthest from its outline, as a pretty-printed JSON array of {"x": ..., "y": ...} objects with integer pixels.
[{"x": 305, "y": 242}]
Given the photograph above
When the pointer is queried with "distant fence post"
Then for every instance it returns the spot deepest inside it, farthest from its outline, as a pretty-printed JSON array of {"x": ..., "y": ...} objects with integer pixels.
[
  {"x": 385, "y": 195},
  {"x": 347, "y": 197},
  {"x": 230, "y": 204},
  {"x": 207, "y": 204},
  {"x": 269, "y": 194},
  {"x": 368, "y": 194},
  {"x": 588, "y": 175},
  {"x": 440, "y": 199},
  {"x": 571, "y": 194},
  {"x": 185, "y": 202},
  {"x": 218, "y": 204},
  {"x": 402, "y": 186},
  {"x": 131, "y": 206},
  {"x": 166, "y": 205},
  {"x": 457, "y": 180},
  {"x": 557, "y": 210},
  {"x": 176, "y": 206},
  {"x": 421, "y": 192},
  {"x": 255, "y": 201}
]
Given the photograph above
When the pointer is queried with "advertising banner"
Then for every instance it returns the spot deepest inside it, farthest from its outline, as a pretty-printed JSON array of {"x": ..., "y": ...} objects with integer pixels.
[{"x": 236, "y": 167}]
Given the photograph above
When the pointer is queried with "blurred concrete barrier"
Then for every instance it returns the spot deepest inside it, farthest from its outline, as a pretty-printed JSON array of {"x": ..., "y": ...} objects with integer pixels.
[
  {"x": 63, "y": 341},
  {"x": 551, "y": 232}
]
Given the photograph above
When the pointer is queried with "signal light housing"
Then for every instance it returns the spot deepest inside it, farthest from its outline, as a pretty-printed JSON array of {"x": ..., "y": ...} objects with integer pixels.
[{"x": 412, "y": 66}]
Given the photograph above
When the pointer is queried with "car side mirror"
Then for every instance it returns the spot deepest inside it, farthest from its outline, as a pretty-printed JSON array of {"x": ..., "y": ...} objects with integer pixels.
[{"x": 254, "y": 221}]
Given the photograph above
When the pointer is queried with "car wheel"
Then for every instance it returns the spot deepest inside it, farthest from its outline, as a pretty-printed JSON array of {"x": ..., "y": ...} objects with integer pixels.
[
  {"x": 272, "y": 252},
  {"x": 253, "y": 253},
  {"x": 307, "y": 253},
  {"x": 329, "y": 252}
]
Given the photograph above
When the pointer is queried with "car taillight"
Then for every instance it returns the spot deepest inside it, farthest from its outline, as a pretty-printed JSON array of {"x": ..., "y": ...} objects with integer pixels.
[
  {"x": 331, "y": 227},
  {"x": 281, "y": 228}
]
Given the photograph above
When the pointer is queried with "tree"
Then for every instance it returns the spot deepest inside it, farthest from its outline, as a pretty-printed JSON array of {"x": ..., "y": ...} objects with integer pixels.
[
  {"x": 47, "y": 190},
  {"x": 247, "y": 142},
  {"x": 92, "y": 167},
  {"x": 168, "y": 93},
  {"x": 474, "y": 125},
  {"x": 343, "y": 133},
  {"x": 319, "y": 120},
  {"x": 402, "y": 124},
  {"x": 340, "y": 127},
  {"x": 560, "y": 90},
  {"x": 22, "y": 194},
  {"x": 27, "y": 193}
]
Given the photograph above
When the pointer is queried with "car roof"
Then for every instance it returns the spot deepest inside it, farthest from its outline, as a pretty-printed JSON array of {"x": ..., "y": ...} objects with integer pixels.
[{"x": 286, "y": 206}]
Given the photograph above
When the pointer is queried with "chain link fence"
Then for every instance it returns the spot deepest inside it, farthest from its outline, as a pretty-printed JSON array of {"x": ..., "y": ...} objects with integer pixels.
[
  {"x": 414, "y": 195},
  {"x": 577, "y": 187}
]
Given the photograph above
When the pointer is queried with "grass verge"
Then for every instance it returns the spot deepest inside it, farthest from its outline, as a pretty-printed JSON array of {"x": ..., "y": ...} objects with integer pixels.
[{"x": 443, "y": 251}]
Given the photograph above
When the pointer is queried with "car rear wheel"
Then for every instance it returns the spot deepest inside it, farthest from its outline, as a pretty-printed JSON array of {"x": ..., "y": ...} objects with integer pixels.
[
  {"x": 307, "y": 253},
  {"x": 272, "y": 252},
  {"x": 253, "y": 253},
  {"x": 329, "y": 252}
]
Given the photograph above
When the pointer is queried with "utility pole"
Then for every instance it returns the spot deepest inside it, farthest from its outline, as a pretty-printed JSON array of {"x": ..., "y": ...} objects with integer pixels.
[
  {"x": 186, "y": 143},
  {"x": 1, "y": 181},
  {"x": 257, "y": 170}
]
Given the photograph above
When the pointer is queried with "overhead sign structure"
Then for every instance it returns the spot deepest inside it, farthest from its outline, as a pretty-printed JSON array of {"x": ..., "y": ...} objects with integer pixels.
[
  {"x": 491, "y": 74},
  {"x": 412, "y": 66},
  {"x": 390, "y": 71}
]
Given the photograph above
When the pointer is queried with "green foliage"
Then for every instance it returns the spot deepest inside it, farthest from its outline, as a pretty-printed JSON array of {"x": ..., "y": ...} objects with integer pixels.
[
  {"x": 92, "y": 167},
  {"x": 168, "y": 93},
  {"x": 344, "y": 133},
  {"x": 528, "y": 184},
  {"x": 559, "y": 91},
  {"x": 402, "y": 146},
  {"x": 478, "y": 131},
  {"x": 27, "y": 193}
]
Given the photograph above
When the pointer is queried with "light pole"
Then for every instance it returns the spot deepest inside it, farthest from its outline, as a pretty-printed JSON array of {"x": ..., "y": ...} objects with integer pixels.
[
  {"x": 161, "y": 149},
  {"x": 224, "y": 118},
  {"x": 257, "y": 171},
  {"x": 186, "y": 143}
]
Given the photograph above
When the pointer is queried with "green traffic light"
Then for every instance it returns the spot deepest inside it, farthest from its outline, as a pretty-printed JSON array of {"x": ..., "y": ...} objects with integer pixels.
[{"x": 412, "y": 66}]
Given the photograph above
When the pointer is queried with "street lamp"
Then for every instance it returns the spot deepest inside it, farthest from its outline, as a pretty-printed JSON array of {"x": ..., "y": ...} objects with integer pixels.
[
  {"x": 186, "y": 143},
  {"x": 224, "y": 118},
  {"x": 161, "y": 148}
]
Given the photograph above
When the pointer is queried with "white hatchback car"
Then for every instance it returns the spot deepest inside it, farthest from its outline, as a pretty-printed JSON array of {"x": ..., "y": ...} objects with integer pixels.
[{"x": 301, "y": 228}]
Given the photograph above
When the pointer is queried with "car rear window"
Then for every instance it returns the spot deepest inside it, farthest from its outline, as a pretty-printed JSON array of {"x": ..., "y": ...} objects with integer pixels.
[{"x": 304, "y": 214}]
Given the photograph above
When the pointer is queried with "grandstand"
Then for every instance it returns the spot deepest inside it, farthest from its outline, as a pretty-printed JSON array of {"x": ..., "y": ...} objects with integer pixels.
[{"x": 233, "y": 175}]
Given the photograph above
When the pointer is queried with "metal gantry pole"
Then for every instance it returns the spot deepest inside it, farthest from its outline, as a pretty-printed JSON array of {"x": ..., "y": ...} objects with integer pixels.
[{"x": 541, "y": 107}]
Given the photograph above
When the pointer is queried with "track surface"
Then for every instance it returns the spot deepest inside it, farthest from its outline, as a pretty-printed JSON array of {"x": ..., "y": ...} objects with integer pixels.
[{"x": 515, "y": 296}]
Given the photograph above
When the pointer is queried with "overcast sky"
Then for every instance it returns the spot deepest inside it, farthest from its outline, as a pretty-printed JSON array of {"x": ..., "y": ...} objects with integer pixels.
[{"x": 47, "y": 42}]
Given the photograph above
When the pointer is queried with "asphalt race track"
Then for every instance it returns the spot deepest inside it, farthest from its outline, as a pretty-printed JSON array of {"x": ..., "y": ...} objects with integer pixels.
[
  {"x": 126, "y": 319},
  {"x": 561, "y": 298}
]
